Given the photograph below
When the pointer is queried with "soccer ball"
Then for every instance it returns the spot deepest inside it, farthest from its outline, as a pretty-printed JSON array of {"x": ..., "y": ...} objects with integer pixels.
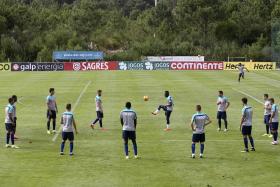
[{"x": 146, "y": 98}]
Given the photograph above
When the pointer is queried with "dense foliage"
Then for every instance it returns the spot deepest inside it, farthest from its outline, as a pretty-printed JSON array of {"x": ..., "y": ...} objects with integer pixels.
[{"x": 130, "y": 29}]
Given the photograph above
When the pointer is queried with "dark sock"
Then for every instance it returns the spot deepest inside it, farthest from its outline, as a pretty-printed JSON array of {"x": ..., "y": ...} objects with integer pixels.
[
  {"x": 62, "y": 146},
  {"x": 246, "y": 143},
  {"x": 12, "y": 138},
  {"x": 71, "y": 147},
  {"x": 193, "y": 148},
  {"x": 201, "y": 148},
  {"x": 48, "y": 125},
  {"x": 220, "y": 123},
  {"x": 126, "y": 149},
  {"x": 135, "y": 148},
  {"x": 100, "y": 123},
  {"x": 252, "y": 141},
  {"x": 7, "y": 138},
  {"x": 226, "y": 124},
  {"x": 267, "y": 129},
  {"x": 95, "y": 121},
  {"x": 54, "y": 124},
  {"x": 275, "y": 135}
]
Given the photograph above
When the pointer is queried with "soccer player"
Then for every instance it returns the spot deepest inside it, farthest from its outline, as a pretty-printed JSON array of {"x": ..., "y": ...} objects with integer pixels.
[
  {"x": 68, "y": 122},
  {"x": 274, "y": 121},
  {"x": 9, "y": 123},
  {"x": 129, "y": 121},
  {"x": 246, "y": 125},
  {"x": 267, "y": 114},
  {"x": 241, "y": 68},
  {"x": 99, "y": 110},
  {"x": 198, "y": 123},
  {"x": 168, "y": 108},
  {"x": 15, "y": 115},
  {"x": 51, "y": 110},
  {"x": 223, "y": 105}
]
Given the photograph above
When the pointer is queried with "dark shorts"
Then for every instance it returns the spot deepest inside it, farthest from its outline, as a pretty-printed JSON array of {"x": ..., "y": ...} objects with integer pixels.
[
  {"x": 246, "y": 130},
  {"x": 10, "y": 127},
  {"x": 274, "y": 126},
  {"x": 198, "y": 138},
  {"x": 51, "y": 114},
  {"x": 266, "y": 119},
  {"x": 99, "y": 114},
  {"x": 222, "y": 115},
  {"x": 129, "y": 135},
  {"x": 67, "y": 136},
  {"x": 241, "y": 75}
]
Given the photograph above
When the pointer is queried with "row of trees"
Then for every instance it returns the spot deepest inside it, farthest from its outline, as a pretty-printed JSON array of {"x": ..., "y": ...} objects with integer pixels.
[{"x": 30, "y": 30}]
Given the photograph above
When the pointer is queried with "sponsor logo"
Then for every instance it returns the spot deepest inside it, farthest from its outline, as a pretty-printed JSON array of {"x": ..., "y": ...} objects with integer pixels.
[
  {"x": 196, "y": 66},
  {"x": 122, "y": 66},
  {"x": 37, "y": 66},
  {"x": 257, "y": 66},
  {"x": 176, "y": 58},
  {"x": 90, "y": 66},
  {"x": 149, "y": 66},
  {"x": 76, "y": 66},
  {"x": 5, "y": 66}
]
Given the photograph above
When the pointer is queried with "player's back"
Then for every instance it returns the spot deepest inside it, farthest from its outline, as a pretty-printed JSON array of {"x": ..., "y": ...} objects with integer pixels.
[
  {"x": 248, "y": 115},
  {"x": 128, "y": 116},
  {"x": 67, "y": 121},
  {"x": 199, "y": 120}
]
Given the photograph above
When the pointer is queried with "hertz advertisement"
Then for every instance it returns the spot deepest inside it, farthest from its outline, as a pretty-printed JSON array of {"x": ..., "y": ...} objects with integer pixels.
[{"x": 253, "y": 66}]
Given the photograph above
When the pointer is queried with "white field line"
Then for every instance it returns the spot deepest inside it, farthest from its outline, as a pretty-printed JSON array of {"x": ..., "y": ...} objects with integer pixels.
[
  {"x": 74, "y": 107},
  {"x": 259, "y": 101},
  {"x": 241, "y": 140}
]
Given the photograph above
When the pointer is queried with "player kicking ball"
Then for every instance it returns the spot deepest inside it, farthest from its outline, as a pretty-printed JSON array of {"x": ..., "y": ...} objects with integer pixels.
[
  {"x": 168, "y": 108},
  {"x": 246, "y": 125},
  {"x": 198, "y": 123},
  {"x": 129, "y": 121},
  {"x": 68, "y": 122},
  {"x": 99, "y": 110},
  {"x": 274, "y": 121}
]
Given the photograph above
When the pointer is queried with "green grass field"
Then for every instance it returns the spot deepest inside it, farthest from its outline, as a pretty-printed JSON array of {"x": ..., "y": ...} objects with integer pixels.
[{"x": 165, "y": 156}]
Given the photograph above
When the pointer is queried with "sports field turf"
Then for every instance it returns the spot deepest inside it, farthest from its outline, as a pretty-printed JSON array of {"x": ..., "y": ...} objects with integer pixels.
[{"x": 165, "y": 156}]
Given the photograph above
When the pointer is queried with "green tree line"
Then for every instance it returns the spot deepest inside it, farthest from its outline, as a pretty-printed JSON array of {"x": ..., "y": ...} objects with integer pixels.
[{"x": 30, "y": 30}]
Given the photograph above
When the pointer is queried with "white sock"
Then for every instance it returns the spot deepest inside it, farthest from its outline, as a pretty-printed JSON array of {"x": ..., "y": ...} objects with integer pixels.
[
  {"x": 168, "y": 126},
  {"x": 157, "y": 111}
]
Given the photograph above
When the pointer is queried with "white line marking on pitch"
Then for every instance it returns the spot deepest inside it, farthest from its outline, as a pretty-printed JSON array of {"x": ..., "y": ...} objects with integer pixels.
[
  {"x": 74, "y": 107},
  {"x": 214, "y": 140},
  {"x": 259, "y": 101}
]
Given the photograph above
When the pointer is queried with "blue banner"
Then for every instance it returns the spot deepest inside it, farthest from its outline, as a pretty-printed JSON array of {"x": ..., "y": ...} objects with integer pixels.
[{"x": 78, "y": 55}]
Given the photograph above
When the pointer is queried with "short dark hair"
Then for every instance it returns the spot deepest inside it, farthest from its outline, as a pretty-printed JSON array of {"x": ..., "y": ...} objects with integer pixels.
[
  {"x": 265, "y": 95},
  {"x": 221, "y": 92},
  {"x": 51, "y": 90},
  {"x": 271, "y": 100},
  {"x": 128, "y": 105},
  {"x": 14, "y": 97},
  {"x": 99, "y": 91},
  {"x": 198, "y": 107},
  {"x": 10, "y": 100},
  {"x": 244, "y": 100},
  {"x": 68, "y": 106}
]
